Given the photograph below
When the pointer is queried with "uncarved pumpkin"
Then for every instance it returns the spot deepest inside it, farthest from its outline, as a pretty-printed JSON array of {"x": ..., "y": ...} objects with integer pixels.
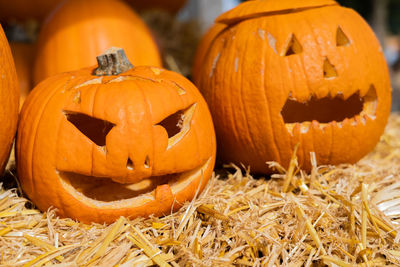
[
  {"x": 9, "y": 95},
  {"x": 171, "y": 6},
  {"x": 282, "y": 73},
  {"x": 99, "y": 146},
  {"x": 23, "y": 54},
  {"x": 26, "y": 9},
  {"x": 79, "y": 30}
]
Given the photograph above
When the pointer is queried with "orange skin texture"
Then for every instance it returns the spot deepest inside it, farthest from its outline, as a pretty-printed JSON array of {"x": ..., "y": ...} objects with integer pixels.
[
  {"x": 9, "y": 96},
  {"x": 246, "y": 81},
  {"x": 79, "y": 30},
  {"x": 172, "y": 6},
  {"x": 202, "y": 48},
  {"x": 23, "y": 10},
  {"x": 23, "y": 54},
  {"x": 47, "y": 143}
]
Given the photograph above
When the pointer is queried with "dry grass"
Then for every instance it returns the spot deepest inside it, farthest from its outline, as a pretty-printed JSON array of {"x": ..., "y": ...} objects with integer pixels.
[{"x": 343, "y": 215}]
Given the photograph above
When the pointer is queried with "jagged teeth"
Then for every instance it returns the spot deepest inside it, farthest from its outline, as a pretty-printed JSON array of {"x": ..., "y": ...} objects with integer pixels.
[
  {"x": 339, "y": 94},
  {"x": 304, "y": 127}
]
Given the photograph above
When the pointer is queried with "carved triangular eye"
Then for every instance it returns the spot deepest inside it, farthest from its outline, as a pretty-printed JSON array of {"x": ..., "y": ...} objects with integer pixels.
[
  {"x": 292, "y": 47},
  {"x": 94, "y": 129},
  {"x": 173, "y": 123},
  {"x": 329, "y": 70},
  {"x": 341, "y": 38},
  {"x": 178, "y": 124}
]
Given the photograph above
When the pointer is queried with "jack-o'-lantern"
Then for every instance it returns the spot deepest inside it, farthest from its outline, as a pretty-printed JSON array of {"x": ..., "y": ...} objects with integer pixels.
[
  {"x": 119, "y": 141},
  {"x": 282, "y": 73},
  {"x": 79, "y": 30}
]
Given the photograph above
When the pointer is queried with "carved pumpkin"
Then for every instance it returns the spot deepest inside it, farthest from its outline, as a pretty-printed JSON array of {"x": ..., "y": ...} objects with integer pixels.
[
  {"x": 9, "y": 94},
  {"x": 98, "y": 147},
  {"x": 23, "y": 54},
  {"x": 203, "y": 47},
  {"x": 79, "y": 30},
  {"x": 171, "y": 6},
  {"x": 288, "y": 72},
  {"x": 26, "y": 9}
]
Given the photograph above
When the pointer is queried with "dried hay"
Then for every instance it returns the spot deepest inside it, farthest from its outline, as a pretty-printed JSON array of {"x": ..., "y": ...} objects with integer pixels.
[{"x": 343, "y": 215}]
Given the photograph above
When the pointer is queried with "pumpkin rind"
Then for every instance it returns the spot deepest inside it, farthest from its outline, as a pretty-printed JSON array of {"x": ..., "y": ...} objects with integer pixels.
[
  {"x": 203, "y": 47},
  {"x": 74, "y": 34},
  {"x": 248, "y": 74},
  {"x": 252, "y": 9},
  {"x": 135, "y": 102},
  {"x": 9, "y": 94}
]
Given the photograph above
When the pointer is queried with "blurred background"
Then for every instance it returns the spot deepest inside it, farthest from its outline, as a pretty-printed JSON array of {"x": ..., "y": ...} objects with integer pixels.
[{"x": 179, "y": 27}]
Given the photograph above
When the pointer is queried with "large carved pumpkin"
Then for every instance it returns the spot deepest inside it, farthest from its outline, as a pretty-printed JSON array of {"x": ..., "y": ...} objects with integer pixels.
[
  {"x": 9, "y": 94},
  {"x": 79, "y": 30},
  {"x": 23, "y": 54},
  {"x": 282, "y": 73},
  {"x": 97, "y": 147}
]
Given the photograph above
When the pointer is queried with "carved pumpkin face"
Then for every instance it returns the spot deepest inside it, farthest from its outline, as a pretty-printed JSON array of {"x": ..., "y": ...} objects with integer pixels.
[
  {"x": 281, "y": 73},
  {"x": 97, "y": 148}
]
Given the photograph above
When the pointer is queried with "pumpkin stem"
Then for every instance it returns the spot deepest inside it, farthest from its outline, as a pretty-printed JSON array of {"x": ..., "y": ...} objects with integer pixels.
[{"x": 112, "y": 62}]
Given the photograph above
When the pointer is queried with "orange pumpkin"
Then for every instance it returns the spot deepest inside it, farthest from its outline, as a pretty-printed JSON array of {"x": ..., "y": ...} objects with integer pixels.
[
  {"x": 171, "y": 6},
  {"x": 9, "y": 94},
  {"x": 26, "y": 9},
  {"x": 121, "y": 142},
  {"x": 79, "y": 30},
  {"x": 282, "y": 73},
  {"x": 203, "y": 47},
  {"x": 23, "y": 54}
]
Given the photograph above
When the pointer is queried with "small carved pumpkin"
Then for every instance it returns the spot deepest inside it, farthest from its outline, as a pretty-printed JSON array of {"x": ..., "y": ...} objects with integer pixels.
[
  {"x": 79, "y": 30},
  {"x": 120, "y": 142},
  {"x": 282, "y": 73},
  {"x": 9, "y": 94}
]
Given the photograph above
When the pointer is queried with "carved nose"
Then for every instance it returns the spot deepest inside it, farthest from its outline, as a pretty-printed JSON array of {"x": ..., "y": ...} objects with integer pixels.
[
  {"x": 131, "y": 166},
  {"x": 329, "y": 70}
]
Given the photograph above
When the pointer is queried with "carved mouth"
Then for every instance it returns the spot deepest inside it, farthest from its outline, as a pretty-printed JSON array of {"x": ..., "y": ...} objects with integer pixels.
[
  {"x": 101, "y": 191},
  {"x": 355, "y": 109}
]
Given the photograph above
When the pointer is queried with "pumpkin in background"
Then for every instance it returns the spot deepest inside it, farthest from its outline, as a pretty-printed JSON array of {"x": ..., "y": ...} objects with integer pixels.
[
  {"x": 116, "y": 143},
  {"x": 288, "y": 72},
  {"x": 26, "y": 9},
  {"x": 23, "y": 54},
  {"x": 9, "y": 94},
  {"x": 172, "y": 6},
  {"x": 79, "y": 30}
]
